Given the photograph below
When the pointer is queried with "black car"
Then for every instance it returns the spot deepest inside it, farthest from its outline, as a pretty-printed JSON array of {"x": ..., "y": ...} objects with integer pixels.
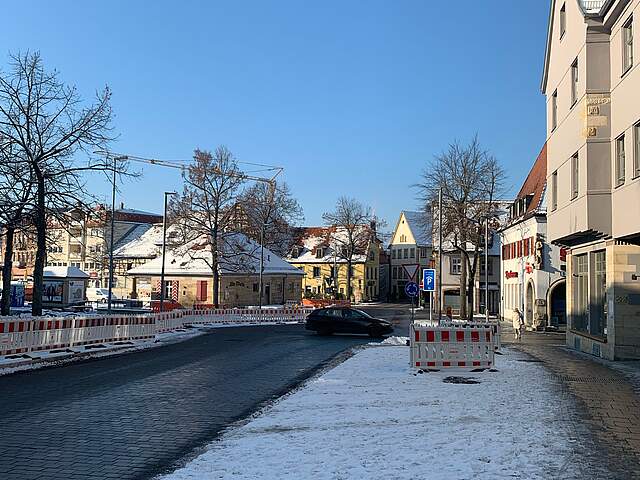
[{"x": 330, "y": 320}]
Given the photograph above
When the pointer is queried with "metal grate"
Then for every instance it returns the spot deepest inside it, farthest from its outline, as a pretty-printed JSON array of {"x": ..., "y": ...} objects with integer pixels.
[{"x": 595, "y": 380}]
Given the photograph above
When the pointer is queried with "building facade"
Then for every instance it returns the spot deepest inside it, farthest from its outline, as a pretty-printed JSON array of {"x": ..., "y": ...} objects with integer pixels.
[
  {"x": 533, "y": 270},
  {"x": 316, "y": 252},
  {"x": 410, "y": 251},
  {"x": 591, "y": 81}
]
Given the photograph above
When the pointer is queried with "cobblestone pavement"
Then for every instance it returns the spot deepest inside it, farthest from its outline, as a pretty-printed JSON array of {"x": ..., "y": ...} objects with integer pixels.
[
  {"x": 132, "y": 416},
  {"x": 607, "y": 402}
]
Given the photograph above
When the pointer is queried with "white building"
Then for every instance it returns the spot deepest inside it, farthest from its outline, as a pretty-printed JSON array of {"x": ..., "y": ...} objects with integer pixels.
[
  {"x": 533, "y": 271},
  {"x": 410, "y": 250}
]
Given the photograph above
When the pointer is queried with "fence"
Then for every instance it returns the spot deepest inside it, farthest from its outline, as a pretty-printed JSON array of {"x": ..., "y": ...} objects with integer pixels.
[
  {"x": 495, "y": 327},
  {"x": 452, "y": 346},
  {"x": 22, "y": 336}
]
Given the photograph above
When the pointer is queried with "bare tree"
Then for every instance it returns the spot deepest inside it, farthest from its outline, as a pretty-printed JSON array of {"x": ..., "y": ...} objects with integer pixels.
[
  {"x": 354, "y": 228},
  {"x": 471, "y": 180},
  {"x": 17, "y": 187},
  {"x": 46, "y": 120},
  {"x": 271, "y": 212},
  {"x": 202, "y": 213}
]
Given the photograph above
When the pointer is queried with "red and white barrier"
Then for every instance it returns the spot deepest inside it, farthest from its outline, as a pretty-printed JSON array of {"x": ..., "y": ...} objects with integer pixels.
[
  {"x": 495, "y": 327},
  {"x": 452, "y": 347},
  {"x": 22, "y": 336}
]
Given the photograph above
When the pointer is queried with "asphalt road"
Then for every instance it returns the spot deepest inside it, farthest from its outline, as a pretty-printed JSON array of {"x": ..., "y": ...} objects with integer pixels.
[{"x": 135, "y": 415}]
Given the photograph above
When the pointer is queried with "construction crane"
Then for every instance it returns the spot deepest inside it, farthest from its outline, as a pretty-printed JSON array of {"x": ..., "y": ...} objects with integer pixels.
[
  {"x": 116, "y": 157},
  {"x": 184, "y": 166}
]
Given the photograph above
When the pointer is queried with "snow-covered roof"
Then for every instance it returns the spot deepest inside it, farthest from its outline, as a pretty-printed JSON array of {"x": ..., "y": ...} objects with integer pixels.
[
  {"x": 143, "y": 241},
  {"x": 194, "y": 260},
  {"x": 64, "y": 272},
  {"x": 420, "y": 226},
  {"x": 330, "y": 239}
]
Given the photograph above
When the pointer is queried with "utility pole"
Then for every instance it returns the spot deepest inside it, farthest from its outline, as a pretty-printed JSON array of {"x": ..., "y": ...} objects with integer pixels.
[
  {"x": 486, "y": 269},
  {"x": 440, "y": 256},
  {"x": 111, "y": 242},
  {"x": 164, "y": 247},
  {"x": 262, "y": 227}
]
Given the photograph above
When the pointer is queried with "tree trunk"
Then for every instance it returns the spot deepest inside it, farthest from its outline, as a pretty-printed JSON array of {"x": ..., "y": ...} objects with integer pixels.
[
  {"x": 41, "y": 251},
  {"x": 463, "y": 286},
  {"x": 349, "y": 272},
  {"x": 6, "y": 272}
]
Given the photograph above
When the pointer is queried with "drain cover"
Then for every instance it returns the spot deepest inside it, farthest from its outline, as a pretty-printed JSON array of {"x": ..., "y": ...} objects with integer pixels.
[{"x": 462, "y": 380}]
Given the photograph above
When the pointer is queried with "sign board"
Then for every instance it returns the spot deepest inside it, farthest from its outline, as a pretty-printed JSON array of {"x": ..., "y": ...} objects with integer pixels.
[
  {"x": 411, "y": 270},
  {"x": 411, "y": 289},
  {"x": 428, "y": 279}
]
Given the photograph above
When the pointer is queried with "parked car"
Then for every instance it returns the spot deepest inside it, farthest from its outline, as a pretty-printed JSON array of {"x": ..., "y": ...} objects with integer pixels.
[
  {"x": 100, "y": 295},
  {"x": 326, "y": 321}
]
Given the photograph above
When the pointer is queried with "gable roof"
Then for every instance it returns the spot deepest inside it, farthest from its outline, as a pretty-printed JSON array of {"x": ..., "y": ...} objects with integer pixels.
[
  {"x": 194, "y": 260},
  {"x": 535, "y": 183},
  {"x": 308, "y": 239},
  {"x": 420, "y": 225}
]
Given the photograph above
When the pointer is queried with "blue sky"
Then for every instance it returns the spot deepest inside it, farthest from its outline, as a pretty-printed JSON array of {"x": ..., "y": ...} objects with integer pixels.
[{"x": 350, "y": 97}]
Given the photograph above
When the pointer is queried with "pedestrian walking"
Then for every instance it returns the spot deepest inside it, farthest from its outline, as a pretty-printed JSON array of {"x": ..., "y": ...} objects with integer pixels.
[{"x": 518, "y": 324}]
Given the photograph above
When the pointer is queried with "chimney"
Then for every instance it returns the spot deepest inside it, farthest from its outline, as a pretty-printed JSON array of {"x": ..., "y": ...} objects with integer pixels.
[{"x": 121, "y": 205}]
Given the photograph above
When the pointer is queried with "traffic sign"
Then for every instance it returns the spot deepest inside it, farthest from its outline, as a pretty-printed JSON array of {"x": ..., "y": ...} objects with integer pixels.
[
  {"x": 411, "y": 289},
  {"x": 411, "y": 271},
  {"x": 428, "y": 279}
]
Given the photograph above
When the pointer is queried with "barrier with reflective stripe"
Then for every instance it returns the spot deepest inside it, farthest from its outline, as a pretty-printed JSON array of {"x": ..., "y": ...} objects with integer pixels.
[
  {"x": 451, "y": 347},
  {"x": 495, "y": 327}
]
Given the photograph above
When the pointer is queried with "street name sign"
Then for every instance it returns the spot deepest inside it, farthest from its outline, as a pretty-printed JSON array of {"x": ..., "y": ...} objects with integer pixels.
[{"x": 428, "y": 279}]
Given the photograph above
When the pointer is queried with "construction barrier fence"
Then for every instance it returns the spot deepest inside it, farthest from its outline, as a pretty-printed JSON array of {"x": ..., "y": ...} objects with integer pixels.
[
  {"x": 20, "y": 336},
  {"x": 445, "y": 347}
]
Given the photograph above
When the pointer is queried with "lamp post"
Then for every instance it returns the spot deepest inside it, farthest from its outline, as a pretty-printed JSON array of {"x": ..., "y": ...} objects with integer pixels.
[
  {"x": 264, "y": 225},
  {"x": 440, "y": 256},
  {"x": 486, "y": 269},
  {"x": 164, "y": 247},
  {"x": 113, "y": 216}
]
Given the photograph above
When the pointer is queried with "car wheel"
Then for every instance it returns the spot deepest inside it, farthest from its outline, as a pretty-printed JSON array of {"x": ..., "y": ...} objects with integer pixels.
[{"x": 103, "y": 300}]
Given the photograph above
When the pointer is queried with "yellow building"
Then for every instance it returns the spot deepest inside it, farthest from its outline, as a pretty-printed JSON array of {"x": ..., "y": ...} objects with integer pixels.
[{"x": 316, "y": 252}]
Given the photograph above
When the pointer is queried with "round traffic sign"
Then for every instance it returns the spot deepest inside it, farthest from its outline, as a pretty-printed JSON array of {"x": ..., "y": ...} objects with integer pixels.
[{"x": 411, "y": 289}]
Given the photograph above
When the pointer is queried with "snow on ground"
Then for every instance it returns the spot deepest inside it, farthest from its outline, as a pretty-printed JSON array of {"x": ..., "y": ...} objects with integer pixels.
[{"x": 375, "y": 417}]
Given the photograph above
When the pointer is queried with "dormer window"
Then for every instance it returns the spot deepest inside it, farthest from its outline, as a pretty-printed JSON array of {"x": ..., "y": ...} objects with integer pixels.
[
  {"x": 319, "y": 252},
  {"x": 295, "y": 252}
]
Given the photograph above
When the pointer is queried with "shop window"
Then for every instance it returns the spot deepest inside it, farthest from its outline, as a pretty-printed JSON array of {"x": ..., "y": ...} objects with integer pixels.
[
  {"x": 580, "y": 310},
  {"x": 598, "y": 319}
]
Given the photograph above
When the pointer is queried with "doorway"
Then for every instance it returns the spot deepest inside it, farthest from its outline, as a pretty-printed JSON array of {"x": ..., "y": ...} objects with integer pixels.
[{"x": 529, "y": 305}]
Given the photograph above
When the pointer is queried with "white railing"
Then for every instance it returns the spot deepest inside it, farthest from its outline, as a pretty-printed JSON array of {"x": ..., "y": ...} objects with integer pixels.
[{"x": 19, "y": 336}]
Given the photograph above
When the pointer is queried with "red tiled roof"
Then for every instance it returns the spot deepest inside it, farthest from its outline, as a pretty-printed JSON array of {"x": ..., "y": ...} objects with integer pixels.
[{"x": 535, "y": 182}]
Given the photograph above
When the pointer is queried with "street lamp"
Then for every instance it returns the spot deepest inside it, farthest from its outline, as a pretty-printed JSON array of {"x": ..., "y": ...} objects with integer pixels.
[
  {"x": 262, "y": 229},
  {"x": 164, "y": 247},
  {"x": 113, "y": 216}
]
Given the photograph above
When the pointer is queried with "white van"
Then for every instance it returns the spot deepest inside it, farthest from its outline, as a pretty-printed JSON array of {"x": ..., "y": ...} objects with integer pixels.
[{"x": 100, "y": 295}]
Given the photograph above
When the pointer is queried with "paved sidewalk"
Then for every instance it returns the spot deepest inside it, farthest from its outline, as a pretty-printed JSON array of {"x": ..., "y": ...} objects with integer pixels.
[
  {"x": 375, "y": 417},
  {"x": 606, "y": 392}
]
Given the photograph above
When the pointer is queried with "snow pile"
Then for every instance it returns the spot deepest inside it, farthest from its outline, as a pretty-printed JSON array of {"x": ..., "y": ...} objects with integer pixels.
[
  {"x": 393, "y": 341},
  {"x": 375, "y": 417}
]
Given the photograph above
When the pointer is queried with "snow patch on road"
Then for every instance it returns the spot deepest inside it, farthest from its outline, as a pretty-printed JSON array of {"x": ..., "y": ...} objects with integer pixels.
[{"x": 375, "y": 417}]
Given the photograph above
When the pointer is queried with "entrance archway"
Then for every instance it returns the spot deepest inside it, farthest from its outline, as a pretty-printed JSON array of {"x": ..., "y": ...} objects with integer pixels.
[
  {"x": 528, "y": 318},
  {"x": 557, "y": 303}
]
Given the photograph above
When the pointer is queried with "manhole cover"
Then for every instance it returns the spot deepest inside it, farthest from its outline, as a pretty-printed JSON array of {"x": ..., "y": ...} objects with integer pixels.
[{"x": 462, "y": 380}]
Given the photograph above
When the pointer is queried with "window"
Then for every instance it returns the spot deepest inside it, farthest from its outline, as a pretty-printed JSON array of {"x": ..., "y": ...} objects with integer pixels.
[
  {"x": 620, "y": 160},
  {"x": 574, "y": 82},
  {"x": 202, "y": 291},
  {"x": 627, "y": 45},
  {"x": 412, "y": 252},
  {"x": 393, "y": 253},
  {"x": 456, "y": 265},
  {"x": 554, "y": 110},
  {"x": 406, "y": 253},
  {"x": 482, "y": 267},
  {"x": 575, "y": 176},
  {"x": 563, "y": 20},
  {"x": 316, "y": 272},
  {"x": 599, "y": 321},
  {"x": 319, "y": 252},
  {"x": 636, "y": 150},
  {"x": 403, "y": 238},
  {"x": 554, "y": 190},
  {"x": 580, "y": 319}
]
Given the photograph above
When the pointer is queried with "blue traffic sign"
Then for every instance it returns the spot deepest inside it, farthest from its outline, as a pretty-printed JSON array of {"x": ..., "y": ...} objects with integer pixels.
[
  {"x": 428, "y": 279},
  {"x": 411, "y": 289}
]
